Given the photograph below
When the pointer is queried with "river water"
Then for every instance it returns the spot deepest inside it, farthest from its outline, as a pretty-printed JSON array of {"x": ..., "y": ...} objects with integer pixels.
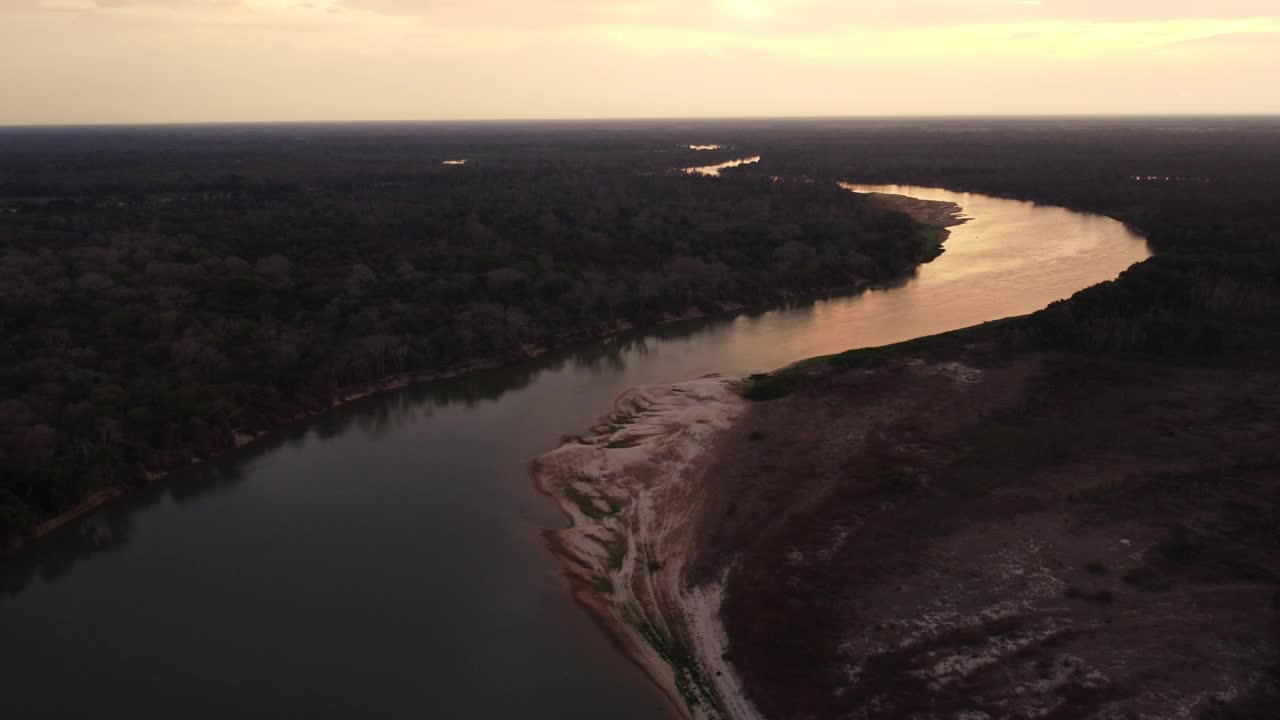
[
  {"x": 714, "y": 170},
  {"x": 384, "y": 560}
]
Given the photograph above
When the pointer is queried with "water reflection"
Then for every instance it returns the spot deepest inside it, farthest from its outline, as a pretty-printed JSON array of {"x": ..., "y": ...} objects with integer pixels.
[
  {"x": 714, "y": 170},
  {"x": 109, "y": 529}
]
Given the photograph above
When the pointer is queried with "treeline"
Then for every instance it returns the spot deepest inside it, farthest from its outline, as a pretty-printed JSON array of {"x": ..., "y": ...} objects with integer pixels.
[{"x": 147, "y": 327}]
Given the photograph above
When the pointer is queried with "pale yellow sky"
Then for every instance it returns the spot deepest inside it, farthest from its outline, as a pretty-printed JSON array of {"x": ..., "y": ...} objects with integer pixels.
[{"x": 106, "y": 61}]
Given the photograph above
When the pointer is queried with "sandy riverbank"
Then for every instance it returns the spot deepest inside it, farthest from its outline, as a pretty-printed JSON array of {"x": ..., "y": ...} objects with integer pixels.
[
  {"x": 633, "y": 490},
  {"x": 937, "y": 213}
]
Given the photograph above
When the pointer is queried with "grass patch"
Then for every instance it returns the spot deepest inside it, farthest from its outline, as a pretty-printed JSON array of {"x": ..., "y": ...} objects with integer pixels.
[
  {"x": 1147, "y": 578},
  {"x": 1182, "y": 547},
  {"x": 930, "y": 241},
  {"x": 780, "y": 383},
  {"x": 587, "y": 504},
  {"x": 899, "y": 479},
  {"x": 615, "y": 506},
  {"x": 690, "y": 682},
  {"x": 762, "y": 387},
  {"x": 603, "y": 584},
  {"x": 617, "y": 554},
  {"x": 622, "y": 444},
  {"x": 1095, "y": 568},
  {"x": 1102, "y": 597},
  {"x": 1022, "y": 441}
]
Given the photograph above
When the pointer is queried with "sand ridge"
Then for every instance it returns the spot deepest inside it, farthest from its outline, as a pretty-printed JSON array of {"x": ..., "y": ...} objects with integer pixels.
[{"x": 632, "y": 491}]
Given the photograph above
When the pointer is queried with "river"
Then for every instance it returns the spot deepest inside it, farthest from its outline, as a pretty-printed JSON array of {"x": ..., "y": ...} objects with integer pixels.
[
  {"x": 384, "y": 560},
  {"x": 714, "y": 170}
]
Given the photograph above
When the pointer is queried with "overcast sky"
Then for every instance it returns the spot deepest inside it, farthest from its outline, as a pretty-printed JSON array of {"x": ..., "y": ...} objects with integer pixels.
[{"x": 92, "y": 61}]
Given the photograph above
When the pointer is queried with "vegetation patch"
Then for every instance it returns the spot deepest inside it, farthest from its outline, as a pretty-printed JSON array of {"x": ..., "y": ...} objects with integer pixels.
[
  {"x": 930, "y": 242},
  {"x": 1101, "y": 596},
  {"x": 770, "y": 386},
  {"x": 780, "y": 383},
  {"x": 1147, "y": 578},
  {"x": 602, "y": 584},
  {"x": 617, "y": 554},
  {"x": 587, "y": 504},
  {"x": 690, "y": 681}
]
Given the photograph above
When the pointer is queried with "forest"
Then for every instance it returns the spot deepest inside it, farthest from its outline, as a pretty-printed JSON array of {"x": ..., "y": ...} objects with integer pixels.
[{"x": 167, "y": 291}]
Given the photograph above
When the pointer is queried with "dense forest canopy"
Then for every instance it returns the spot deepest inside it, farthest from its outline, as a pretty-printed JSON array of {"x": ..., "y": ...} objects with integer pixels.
[
  {"x": 164, "y": 291},
  {"x": 165, "y": 288}
]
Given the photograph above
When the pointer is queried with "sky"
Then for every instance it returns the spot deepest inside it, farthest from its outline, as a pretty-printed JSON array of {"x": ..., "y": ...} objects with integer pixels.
[{"x": 123, "y": 61}]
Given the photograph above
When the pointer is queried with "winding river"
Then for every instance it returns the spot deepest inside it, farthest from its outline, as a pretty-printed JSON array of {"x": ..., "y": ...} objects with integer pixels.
[{"x": 383, "y": 561}]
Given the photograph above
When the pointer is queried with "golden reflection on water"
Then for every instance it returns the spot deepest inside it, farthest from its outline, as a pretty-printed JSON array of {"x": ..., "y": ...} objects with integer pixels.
[
  {"x": 1010, "y": 258},
  {"x": 714, "y": 170}
]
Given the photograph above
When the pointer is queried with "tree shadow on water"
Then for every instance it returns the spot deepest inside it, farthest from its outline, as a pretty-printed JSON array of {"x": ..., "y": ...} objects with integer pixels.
[{"x": 111, "y": 528}]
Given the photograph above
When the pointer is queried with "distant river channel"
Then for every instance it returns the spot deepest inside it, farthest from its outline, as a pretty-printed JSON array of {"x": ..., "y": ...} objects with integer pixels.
[{"x": 385, "y": 560}]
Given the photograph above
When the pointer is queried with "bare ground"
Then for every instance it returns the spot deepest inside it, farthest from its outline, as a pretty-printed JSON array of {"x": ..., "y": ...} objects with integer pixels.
[{"x": 972, "y": 537}]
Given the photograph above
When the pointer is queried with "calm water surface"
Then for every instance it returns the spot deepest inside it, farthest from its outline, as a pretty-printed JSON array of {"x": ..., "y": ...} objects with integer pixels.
[
  {"x": 384, "y": 561},
  {"x": 714, "y": 170}
]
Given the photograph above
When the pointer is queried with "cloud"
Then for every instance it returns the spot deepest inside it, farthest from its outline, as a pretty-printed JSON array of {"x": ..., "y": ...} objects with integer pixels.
[
  {"x": 149, "y": 60},
  {"x": 1250, "y": 41},
  {"x": 27, "y": 6},
  {"x": 781, "y": 16},
  {"x": 80, "y": 6},
  {"x": 171, "y": 3}
]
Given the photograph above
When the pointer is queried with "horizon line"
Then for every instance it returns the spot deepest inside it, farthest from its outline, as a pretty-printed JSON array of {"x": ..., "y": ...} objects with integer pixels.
[{"x": 653, "y": 119}]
